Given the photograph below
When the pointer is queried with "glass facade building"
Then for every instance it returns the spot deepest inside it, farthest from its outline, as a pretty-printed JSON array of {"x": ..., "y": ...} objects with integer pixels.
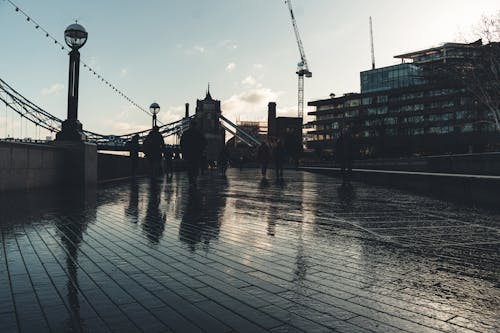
[
  {"x": 401, "y": 112},
  {"x": 391, "y": 77}
]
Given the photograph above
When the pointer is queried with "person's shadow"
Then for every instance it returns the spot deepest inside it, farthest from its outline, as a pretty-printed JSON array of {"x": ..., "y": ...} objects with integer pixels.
[
  {"x": 346, "y": 195},
  {"x": 201, "y": 219},
  {"x": 132, "y": 210},
  {"x": 154, "y": 221}
]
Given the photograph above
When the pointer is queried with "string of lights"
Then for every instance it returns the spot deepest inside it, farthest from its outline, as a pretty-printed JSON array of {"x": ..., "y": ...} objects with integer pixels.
[{"x": 63, "y": 47}]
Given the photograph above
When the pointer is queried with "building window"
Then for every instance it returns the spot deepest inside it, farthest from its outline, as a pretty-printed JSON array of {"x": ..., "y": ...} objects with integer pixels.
[
  {"x": 367, "y": 101},
  {"x": 382, "y": 99},
  {"x": 417, "y": 131},
  {"x": 390, "y": 121},
  {"x": 351, "y": 114}
]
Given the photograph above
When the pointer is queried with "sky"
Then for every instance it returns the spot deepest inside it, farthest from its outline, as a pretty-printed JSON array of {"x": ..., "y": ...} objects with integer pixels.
[{"x": 169, "y": 51}]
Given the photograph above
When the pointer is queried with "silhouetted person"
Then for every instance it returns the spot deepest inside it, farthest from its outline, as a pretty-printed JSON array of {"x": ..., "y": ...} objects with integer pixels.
[
  {"x": 193, "y": 144},
  {"x": 240, "y": 161},
  {"x": 203, "y": 163},
  {"x": 263, "y": 156},
  {"x": 134, "y": 153},
  {"x": 153, "y": 148},
  {"x": 343, "y": 153},
  {"x": 169, "y": 163},
  {"x": 223, "y": 160},
  {"x": 293, "y": 147},
  {"x": 279, "y": 158}
]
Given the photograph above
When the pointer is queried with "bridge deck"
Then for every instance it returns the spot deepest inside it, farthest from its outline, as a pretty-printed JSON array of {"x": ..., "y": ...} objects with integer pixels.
[{"x": 239, "y": 255}]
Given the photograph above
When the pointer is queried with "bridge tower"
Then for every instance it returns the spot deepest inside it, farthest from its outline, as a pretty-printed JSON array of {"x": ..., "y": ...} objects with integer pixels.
[{"x": 207, "y": 119}]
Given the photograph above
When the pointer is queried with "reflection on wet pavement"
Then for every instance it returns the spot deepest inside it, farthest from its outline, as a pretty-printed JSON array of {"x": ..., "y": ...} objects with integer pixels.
[{"x": 238, "y": 253}]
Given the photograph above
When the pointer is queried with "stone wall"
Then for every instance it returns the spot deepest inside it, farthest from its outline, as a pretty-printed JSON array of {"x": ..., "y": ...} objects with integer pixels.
[
  {"x": 469, "y": 190},
  {"x": 26, "y": 166},
  {"x": 110, "y": 166}
]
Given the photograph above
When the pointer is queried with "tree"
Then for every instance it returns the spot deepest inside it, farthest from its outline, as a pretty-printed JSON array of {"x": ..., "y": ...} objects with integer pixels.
[{"x": 482, "y": 74}]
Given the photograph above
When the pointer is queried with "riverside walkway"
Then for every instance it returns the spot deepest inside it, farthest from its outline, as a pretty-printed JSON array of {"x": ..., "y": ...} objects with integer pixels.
[{"x": 242, "y": 255}]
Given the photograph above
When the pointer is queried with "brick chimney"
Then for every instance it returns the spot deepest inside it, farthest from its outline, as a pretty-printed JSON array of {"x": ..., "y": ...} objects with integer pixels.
[{"x": 271, "y": 120}]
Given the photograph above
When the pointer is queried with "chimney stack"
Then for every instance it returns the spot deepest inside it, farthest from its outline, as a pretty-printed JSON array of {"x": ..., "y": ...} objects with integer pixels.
[
  {"x": 187, "y": 110},
  {"x": 271, "y": 120}
]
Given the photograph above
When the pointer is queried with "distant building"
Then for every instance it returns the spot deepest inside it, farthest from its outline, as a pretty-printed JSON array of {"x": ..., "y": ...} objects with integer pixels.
[
  {"x": 281, "y": 128},
  {"x": 256, "y": 129},
  {"x": 207, "y": 120},
  {"x": 415, "y": 107}
]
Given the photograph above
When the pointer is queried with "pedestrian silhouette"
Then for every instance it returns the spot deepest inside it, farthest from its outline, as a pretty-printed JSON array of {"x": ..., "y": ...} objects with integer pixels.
[
  {"x": 263, "y": 156},
  {"x": 279, "y": 159},
  {"x": 169, "y": 163},
  {"x": 133, "y": 146},
  {"x": 153, "y": 148},
  {"x": 193, "y": 144},
  {"x": 343, "y": 153},
  {"x": 223, "y": 160}
]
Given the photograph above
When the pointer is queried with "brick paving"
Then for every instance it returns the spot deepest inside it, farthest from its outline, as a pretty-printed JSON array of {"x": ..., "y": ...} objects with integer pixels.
[{"x": 242, "y": 255}]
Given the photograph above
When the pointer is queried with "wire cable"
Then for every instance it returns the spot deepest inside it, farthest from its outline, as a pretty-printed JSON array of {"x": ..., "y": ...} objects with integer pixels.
[{"x": 91, "y": 70}]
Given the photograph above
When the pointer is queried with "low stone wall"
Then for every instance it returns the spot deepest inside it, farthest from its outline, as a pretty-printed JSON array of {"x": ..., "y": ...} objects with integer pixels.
[
  {"x": 110, "y": 166},
  {"x": 467, "y": 189},
  {"x": 27, "y": 166},
  {"x": 472, "y": 164}
]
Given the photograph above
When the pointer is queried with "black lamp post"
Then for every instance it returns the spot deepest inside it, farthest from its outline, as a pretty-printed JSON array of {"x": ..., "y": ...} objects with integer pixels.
[
  {"x": 75, "y": 36},
  {"x": 154, "y": 108}
]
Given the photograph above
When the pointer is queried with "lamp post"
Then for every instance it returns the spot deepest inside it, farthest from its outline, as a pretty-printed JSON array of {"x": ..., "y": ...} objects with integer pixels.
[
  {"x": 75, "y": 36},
  {"x": 154, "y": 108}
]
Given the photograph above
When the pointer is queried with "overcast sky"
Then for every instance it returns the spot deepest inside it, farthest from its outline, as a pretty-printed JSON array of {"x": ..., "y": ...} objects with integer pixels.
[{"x": 167, "y": 51}]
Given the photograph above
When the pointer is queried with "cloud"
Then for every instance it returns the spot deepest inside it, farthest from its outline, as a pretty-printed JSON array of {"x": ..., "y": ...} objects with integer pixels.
[
  {"x": 56, "y": 88},
  {"x": 172, "y": 113},
  {"x": 228, "y": 44},
  {"x": 258, "y": 66},
  {"x": 230, "y": 67},
  {"x": 249, "y": 81},
  {"x": 250, "y": 104},
  {"x": 123, "y": 72},
  {"x": 122, "y": 127},
  {"x": 199, "y": 49}
]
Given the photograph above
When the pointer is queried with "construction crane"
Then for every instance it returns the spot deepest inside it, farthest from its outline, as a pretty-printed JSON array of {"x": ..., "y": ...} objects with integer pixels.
[{"x": 302, "y": 67}]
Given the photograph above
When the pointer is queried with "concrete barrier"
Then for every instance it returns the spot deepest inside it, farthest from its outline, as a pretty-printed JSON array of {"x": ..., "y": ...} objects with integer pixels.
[
  {"x": 26, "y": 166},
  {"x": 110, "y": 166},
  {"x": 479, "y": 190}
]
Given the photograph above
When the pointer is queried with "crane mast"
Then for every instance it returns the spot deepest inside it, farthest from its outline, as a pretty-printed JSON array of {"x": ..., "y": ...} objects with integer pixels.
[
  {"x": 371, "y": 44},
  {"x": 302, "y": 66}
]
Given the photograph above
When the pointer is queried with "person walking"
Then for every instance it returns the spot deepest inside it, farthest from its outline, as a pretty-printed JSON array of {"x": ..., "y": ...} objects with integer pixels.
[
  {"x": 168, "y": 162},
  {"x": 263, "y": 156},
  {"x": 343, "y": 154},
  {"x": 193, "y": 145},
  {"x": 279, "y": 159},
  {"x": 134, "y": 148},
  {"x": 153, "y": 148},
  {"x": 223, "y": 160}
]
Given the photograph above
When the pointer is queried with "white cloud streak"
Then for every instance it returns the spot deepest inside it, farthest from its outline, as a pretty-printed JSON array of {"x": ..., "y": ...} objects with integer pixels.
[
  {"x": 56, "y": 89},
  {"x": 230, "y": 67}
]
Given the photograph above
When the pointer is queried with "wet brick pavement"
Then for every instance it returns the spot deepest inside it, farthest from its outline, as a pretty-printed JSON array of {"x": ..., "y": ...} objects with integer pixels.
[{"x": 243, "y": 255}]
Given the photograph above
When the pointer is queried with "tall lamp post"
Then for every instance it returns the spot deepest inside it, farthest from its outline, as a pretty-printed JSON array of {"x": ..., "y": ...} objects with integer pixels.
[
  {"x": 75, "y": 36},
  {"x": 154, "y": 108}
]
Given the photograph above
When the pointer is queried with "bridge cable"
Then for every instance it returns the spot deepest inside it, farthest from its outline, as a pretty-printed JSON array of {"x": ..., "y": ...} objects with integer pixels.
[{"x": 92, "y": 71}]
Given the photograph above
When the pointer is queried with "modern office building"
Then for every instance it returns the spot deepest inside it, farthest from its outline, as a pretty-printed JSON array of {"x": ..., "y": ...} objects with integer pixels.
[{"x": 418, "y": 107}]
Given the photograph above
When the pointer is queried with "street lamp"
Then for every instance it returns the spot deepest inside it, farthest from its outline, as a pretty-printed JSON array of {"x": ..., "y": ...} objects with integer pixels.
[
  {"x": 154, "y": 108},
  {"x": 75, "y": 36}
]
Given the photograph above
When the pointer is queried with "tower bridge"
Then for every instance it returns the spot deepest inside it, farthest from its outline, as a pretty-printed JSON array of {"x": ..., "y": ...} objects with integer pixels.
[{"x": 211, "y": 123}]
